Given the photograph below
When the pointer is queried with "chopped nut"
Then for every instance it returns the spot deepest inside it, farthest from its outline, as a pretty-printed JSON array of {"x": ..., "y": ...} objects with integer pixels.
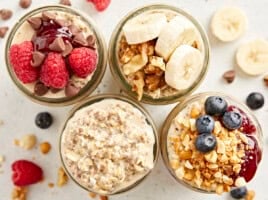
[
  {"x": 152, "y": 82},
  {"x": 219, "y": 189},
  {"x": 229, "y": 76},
  {"x": 138, "y": 84},
  {"x": 174, "y": 164},
  {"x": 250, "y": 195},
  {"x": 185, "y": 155},
  {"x": 158, "y": 62},
  {"x": 62, "y": 177},
  {"x": 211, "y": 156},
  {"x": 240, "y": 182},
  {"x": 195, "y": 112},
  {"x": 135, "y": 64},
  {"x": 27, "y": 141},
  {"x": 45, "y": 147},
  {"x": 19, "y": 193}
]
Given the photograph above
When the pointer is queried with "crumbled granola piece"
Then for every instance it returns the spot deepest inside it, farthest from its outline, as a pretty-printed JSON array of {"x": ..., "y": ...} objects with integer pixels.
[
  {"x": 19, "y": 193},
  {"x": 250, "y": 195},
  {"x": 62, "y": 177},
  {"x": 92, "y": 195},
  {"x": 158, "y": 62},
  {"x": 138, "y": 84},
  {"x": 135, "y": 64}
]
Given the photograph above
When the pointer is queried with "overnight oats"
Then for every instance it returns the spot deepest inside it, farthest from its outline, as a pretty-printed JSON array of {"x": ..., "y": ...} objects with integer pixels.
[
  {"x": 159, "y": 54},
  {"x": 109, "y": 144},
  {"x": 55, "y": 55},
  {"x": 212, "y": 143}
]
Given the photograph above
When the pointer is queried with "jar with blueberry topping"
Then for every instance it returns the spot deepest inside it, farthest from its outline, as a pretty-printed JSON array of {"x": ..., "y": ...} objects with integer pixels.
[{"x": 211, "y": 143}]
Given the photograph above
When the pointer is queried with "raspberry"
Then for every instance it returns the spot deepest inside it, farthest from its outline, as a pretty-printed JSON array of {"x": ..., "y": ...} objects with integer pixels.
[
  {"x": 100, "y": 5},
  {"x": 83, "y": 61},
  {"x": 26, "y": 173},
  {"x": 53, "y": 72},
  {"x": 20, "y": 56}
]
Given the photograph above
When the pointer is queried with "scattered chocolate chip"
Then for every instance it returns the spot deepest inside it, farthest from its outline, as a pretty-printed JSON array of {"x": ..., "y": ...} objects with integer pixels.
[
  {"x": 40, "y": 89},
  {"x": 25, "y": 3},
  {"x": 91, "y": 40},
  {"x": 80, "y": 39},
  {"x": 68, "y": 49},
  {"x": 38, "y": 58},
  {"x": 5, "y": 14},
  {"x": 57, "y": 45},
  {"x": 3, "y": 31},
  {"x": 46, "y": 16},
  {"x": 229, "y": 76},
  {"x": 71, "y": 90},
  {"x": 65, "y": 2},
  {"x": 55, "y": 90},
  {"x": 62, "y": 22},
  {"x": 74, "y": 29},
  {"x": 265, "y": 79},
  {"x": 35, "y": 22}
]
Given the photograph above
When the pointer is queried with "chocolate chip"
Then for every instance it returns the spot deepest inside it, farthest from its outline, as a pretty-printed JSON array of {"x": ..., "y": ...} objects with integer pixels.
[
  {"x": 5, "y": 14},
  {"x": 80, "y": 39},
  {"x": 57, "y": 45},
  {"x": 40, "y": 89},
  {"x": 65, "y": 2},
  {"x": 35, "y": 22},
  {"x": 229, "y": 76},
  {"x": 265, "y": 79},
  {"x": 25, "y": 3},
  {"x": 62, "y": 22},
  {"x": 47, "y": 16},
  {"x": 55, "y": 90},
  {"x": 68, "y": 49},
  {"x": 71, "y": 90},
  {"x": 38, "y": 58},
  {"x": 74, "y": 29},
  {"x": 3, "y": 31},
  {"x": 91, "y": 40}
]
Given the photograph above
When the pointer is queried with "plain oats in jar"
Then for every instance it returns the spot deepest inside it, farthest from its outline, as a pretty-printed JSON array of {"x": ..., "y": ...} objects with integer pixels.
[{"x": 109, "y": 144}]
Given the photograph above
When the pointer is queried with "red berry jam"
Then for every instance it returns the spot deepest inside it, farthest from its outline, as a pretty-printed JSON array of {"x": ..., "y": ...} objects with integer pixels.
[
  {"x": 253, "y": 154},
  {"x": 47, "y": 33},
  {"x": 247, "y": 126}
]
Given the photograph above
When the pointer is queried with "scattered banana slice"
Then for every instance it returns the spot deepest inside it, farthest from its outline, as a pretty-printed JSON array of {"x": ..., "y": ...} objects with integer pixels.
[
  {"x": 135, "y": 64},
  {"x": 228, "y": 24},
  {"x": 183, "y": 67},
  {"x": 144, "y": 27},
  {"x": 178, "y": 31},
  {"x": 252, "y": 57}
]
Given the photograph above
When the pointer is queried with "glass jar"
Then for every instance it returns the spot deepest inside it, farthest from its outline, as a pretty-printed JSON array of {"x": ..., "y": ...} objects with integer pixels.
[
  {"x": 115, "y": 64},
  {"x": 97, "y": 100},
  {"x": 58, "y": 99},
  {"x": 182, "y": 113}
]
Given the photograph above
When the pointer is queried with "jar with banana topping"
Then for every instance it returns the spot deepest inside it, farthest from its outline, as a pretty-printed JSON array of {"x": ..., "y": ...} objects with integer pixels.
[{"x": 159, "y": 54}]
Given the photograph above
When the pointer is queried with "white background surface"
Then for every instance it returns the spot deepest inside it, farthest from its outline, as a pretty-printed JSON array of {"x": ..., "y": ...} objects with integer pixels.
[{"x": 18, "y": 112}]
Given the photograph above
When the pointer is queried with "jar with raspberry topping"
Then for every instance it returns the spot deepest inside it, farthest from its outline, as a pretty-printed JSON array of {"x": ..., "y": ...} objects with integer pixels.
[
  {"x": 211, "y": 142},
  {"x": 56, "y": 55}
]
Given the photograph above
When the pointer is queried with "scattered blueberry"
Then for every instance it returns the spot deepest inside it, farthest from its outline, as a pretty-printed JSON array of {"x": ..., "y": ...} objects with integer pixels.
[
  {"x": 232, "y": 120},
  {"x": 205, "y": 142},
  {"x": 239, "y": 193},
  {"x": 255, "y": 100},
  {"x": 43, "y": 120},
  {"x": 205, "y": 124},
  {"x": 215, "y": 106}
]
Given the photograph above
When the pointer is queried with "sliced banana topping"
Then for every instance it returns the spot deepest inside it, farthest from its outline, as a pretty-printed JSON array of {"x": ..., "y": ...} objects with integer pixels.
[
  {"x": 144, "y": 27},
  {"x": 252, "y": 57},
  {"x": 228, "y": 24},
  {"x": 177, "y": 32},
  {"x": 183, "y": 67}
]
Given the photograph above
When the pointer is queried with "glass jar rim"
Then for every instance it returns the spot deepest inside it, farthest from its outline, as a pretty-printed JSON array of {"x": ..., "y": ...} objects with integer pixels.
[
  {"x": 89, "y": 87},
  {"x": 97, "y": 98},
  {"x": 120, "y": 77}
]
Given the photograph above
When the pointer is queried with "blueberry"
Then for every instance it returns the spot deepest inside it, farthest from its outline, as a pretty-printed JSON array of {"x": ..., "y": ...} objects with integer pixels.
[
  {"x": 232, "y": 120},
  {"x": 205, "y": 142},
  {"x": 215, "y": 106},
  {"x": 239, "y": 193},
  {"x": 205, "y": 124},
  {"x": 255, "y": 100},
  {"x": 43, "y": 120}
]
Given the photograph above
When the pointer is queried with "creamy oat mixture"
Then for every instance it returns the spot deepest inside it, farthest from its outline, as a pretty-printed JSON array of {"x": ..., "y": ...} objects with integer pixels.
[
  {"x": 108, "y": 146},
  {"x": 150, "y": 79},
  {"x": 213, "y": 171},
  {"x": 76, "y": 20}
]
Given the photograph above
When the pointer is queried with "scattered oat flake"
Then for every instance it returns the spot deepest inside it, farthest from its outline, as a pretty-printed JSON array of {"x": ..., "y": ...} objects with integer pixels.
[
  {"x": 19, "y": 193},
  {"x": 62, "y": 177}
]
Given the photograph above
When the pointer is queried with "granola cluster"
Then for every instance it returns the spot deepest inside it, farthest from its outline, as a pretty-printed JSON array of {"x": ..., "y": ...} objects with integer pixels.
[
  {"x": 108, "y": 146},
  {"x": 217, "y": 170}
]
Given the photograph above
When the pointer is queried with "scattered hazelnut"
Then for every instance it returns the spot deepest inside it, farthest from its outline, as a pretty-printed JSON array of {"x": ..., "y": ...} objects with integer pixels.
[
  {"x": 25, "y": 3},
  {"x": 62, "y": 177},
  {"x": 229, "y": 76},
  {"x": 45, "y": 147},
  {"x": 5, "y": 14},
  {"x": 65, "y": 2}
]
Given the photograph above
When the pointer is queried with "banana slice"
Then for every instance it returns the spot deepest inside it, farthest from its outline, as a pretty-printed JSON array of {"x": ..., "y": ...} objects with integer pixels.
[
  {"x": 144, "y": 27},
  {"x": 252, "y": 57},
  {"x": 183, "y": 67},
  {"x": 228, "y": 24},
  {"x": 178, "y": 31}
]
